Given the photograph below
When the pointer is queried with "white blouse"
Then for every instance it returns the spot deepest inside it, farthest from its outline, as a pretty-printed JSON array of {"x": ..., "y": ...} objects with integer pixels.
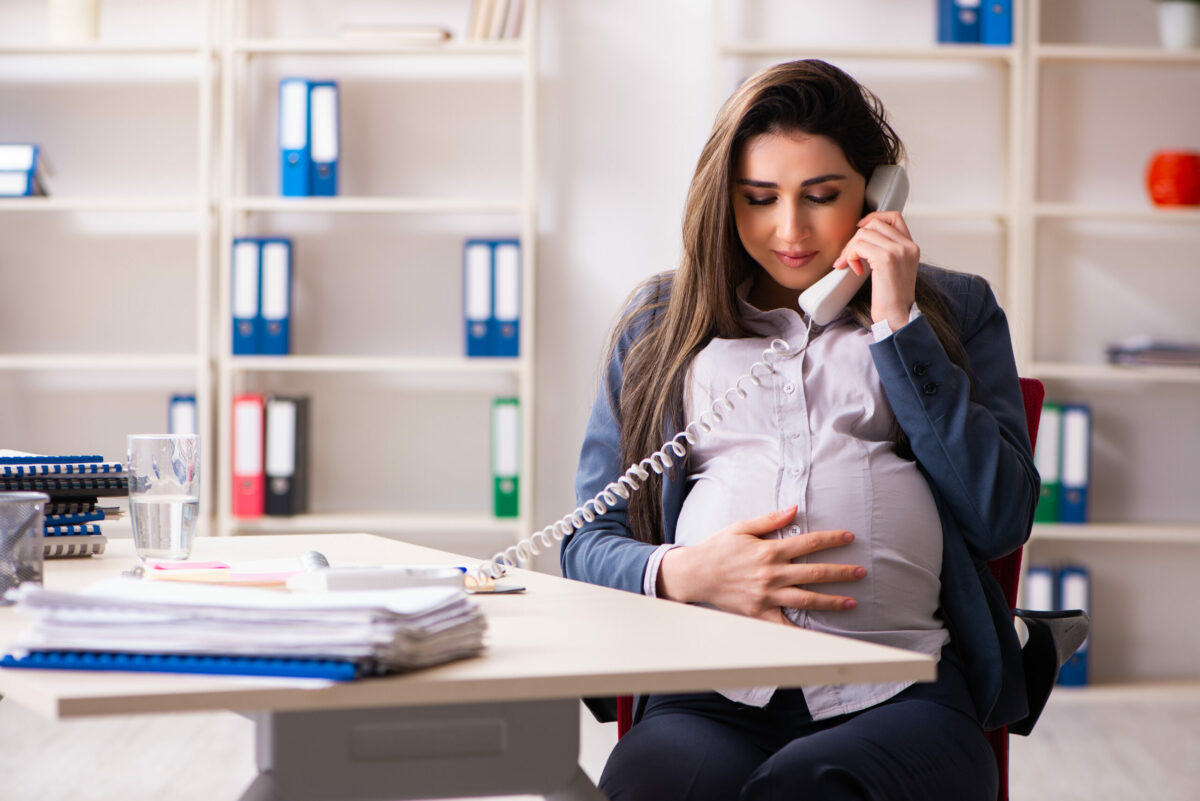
[{"x": 819, "y": 436}]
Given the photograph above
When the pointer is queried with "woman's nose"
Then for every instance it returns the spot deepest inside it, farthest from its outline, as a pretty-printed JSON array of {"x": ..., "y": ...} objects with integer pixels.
[{"x": 794, "y": 224}]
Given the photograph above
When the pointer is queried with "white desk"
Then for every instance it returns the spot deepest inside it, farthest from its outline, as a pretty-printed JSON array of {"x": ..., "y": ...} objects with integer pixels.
[{"x": 505, "y": 723}]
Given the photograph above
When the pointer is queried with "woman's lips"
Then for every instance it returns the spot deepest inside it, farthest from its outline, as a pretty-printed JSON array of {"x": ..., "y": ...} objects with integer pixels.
[{"x": 795, "y": 258}]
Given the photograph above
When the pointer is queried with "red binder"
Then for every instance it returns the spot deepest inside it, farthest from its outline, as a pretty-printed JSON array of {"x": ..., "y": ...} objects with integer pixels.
[{"x": 249, "y": 483}]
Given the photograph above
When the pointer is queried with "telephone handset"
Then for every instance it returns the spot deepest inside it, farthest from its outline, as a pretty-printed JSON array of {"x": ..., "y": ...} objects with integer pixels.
[{"x": 886, "y": 191}]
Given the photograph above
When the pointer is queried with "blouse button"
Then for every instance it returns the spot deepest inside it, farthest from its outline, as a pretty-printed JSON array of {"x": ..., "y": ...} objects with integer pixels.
[
  {"x": 789, "y": 387},
  {"x": 930, "y": 388},
  {"x": 793, "y": 530}
]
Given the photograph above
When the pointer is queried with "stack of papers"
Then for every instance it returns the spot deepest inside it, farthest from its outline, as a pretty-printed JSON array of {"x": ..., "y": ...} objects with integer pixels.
[{"x": 377, "y": 631}]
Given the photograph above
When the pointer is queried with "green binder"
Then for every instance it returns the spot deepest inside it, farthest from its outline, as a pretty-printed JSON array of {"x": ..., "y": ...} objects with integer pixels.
[
  {"x": 1047, "y": 457},
  {"x": 506, "y": 456}
]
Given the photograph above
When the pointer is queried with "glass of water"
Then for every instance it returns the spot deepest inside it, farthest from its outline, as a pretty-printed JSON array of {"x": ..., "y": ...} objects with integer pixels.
[{"x": 164, "y": 494}]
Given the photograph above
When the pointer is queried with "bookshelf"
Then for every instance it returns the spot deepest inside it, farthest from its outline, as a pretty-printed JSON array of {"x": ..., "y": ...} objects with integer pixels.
[
  {"x": 1046, "y": 206},
  {"x": 377, "y": 338},
  {"x": 135, "y": 203},
  {"x": 1072, "y": 51},
  {"x": 259, "y": 46}
]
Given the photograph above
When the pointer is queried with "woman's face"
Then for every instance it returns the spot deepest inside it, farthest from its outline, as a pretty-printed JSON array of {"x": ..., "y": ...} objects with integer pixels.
[{"x": 796, "y": 202}]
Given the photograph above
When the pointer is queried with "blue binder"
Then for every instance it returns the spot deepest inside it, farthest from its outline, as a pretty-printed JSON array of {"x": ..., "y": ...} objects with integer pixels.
[
  {"x": 1076, "y": 462},
  {"x": 245, "y": 288},
  {"x": 324, "y": 138},
  {"x": 477, "y": 296},
  {"x": 295, "y": 161},
  {"x": 335, "y": 669},
  {"x": 1074, "y": 592},
  {"x": 181, "y": 415},
  {"x": 505, "y": 329},
  {"x": 20, "y": 174},
  {"x": 958, "y": 21},
  {"x": 275, "y": 296},
  {"x": 996, "y": 22}
]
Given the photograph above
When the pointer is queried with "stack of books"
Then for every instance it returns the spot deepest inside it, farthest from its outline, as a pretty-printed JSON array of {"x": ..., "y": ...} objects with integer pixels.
[
  {"x": 1154, "y": 352},
  {"x": 76, "y": 486},
  {"x": 176, "y": 627},
  {"x": 491, "y": 20}
]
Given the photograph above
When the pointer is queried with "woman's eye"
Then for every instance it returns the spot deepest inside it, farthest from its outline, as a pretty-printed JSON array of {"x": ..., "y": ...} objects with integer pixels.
[
  {"x": 759, "y": 201},
  {"x": 821, "y": 200}
]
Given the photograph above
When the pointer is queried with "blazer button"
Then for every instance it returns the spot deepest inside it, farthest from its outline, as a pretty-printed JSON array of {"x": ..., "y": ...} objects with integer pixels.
[
  {"x": 918, "y": 368},
  {"x": 930, "y": 388}
]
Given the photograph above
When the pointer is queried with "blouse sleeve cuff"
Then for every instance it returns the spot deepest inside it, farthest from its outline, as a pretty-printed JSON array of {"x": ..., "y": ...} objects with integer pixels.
[
  {"x": 882, "y": 330},
  {"x": 650, "y": 577}
]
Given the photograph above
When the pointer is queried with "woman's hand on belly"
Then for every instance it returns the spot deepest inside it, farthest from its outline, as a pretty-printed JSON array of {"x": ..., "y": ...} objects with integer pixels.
[{"x": 739, "y": 571}]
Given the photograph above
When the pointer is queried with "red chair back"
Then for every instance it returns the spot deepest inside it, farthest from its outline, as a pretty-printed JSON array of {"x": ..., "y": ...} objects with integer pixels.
[{"x": 1007, "y": 571}]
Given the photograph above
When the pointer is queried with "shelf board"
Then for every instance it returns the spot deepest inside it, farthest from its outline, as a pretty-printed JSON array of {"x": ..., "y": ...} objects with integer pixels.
[
  {"x": 946, "y": 211},
  {"x": 140, "y": 204},
  {"x": 985, "y": 53},
  {"x": 102, "y": 49},
  {"x": 395, "y": 523},
  {"x": 1072, "y": 211},
  {"x": 1136, "y": 533},
  {"x": 1115, "y": 54},
  {"x": 376, "y": 364},
  {"x": 1113, "y": 373},
  {"x": 377, "y": 205},
  {"x": 380, "y": 46},
  {"x": 97, "y": 361},
  {"x": 1165, "y": 691}
]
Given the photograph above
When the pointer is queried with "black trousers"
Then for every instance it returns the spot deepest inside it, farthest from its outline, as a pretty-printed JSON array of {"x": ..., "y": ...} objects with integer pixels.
[{"x": 924, "y": 743}]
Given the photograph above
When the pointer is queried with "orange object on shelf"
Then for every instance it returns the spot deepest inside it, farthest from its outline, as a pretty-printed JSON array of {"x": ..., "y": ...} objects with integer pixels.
[{"x": 1173, "y": 178}]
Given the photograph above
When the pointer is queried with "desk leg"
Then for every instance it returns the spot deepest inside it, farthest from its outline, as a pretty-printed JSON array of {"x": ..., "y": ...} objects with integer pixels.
[{"x": 467, "y": 750}]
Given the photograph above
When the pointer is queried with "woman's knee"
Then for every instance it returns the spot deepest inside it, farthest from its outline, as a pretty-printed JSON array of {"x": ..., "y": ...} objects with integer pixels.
[{"x": 678, "y": 757}]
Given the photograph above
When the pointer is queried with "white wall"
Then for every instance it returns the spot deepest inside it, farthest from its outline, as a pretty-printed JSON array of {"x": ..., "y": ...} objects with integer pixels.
[{"x": 628, "y": 91}]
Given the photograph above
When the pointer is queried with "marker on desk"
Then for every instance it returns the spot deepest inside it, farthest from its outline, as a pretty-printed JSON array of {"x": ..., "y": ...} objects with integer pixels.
[{"x": 322, "y": 577}]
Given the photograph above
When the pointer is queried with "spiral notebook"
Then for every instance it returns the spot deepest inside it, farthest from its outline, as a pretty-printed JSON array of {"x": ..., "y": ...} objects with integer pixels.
[
  {"x": 61, "y": 488},
  {"x": 74, "y": 545},
  {"x": 62, "y": 477}
]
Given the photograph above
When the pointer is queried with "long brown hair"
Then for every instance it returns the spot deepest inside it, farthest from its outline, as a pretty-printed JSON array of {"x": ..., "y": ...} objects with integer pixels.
[{"x": 691, "y": 305}]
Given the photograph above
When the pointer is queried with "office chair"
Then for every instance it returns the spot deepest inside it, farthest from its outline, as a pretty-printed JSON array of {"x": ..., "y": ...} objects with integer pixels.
[{"x": 1053, "y": 636}]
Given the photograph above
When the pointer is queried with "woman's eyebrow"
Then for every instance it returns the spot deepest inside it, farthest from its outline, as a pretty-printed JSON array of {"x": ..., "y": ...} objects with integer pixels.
[{"x": 820, "y": 179}]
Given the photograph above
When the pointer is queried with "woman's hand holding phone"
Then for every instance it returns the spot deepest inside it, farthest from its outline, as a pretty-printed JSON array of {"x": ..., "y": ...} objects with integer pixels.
[
  {"x": 884, "y": 241},
  {"x": 737, "y": 570}
]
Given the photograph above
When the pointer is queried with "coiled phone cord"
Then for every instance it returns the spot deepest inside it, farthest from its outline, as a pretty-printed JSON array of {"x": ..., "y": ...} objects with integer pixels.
[{"x": 674, "y": 448}]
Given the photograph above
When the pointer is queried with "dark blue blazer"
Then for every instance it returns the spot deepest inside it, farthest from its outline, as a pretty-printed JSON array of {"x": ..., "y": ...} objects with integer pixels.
[{"x": 970, "y": 441}]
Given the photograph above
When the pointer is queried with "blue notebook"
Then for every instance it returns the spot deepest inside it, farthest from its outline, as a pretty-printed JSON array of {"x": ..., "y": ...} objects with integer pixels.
[
  {"x": 87, "y": 529},
  {"x": 33, "y": 458},
  {"x": 337, "y": 670}
]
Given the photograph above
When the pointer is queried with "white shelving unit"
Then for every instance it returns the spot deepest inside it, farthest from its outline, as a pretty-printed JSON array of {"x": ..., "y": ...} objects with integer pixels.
[
  {"x": 1026, "y": 217},
  {"x": 230, "y": 55},
  {"x": 1092, "y": 377},
  {"x": 34, "y": 61},
  {"x": 243, "y": 48}
]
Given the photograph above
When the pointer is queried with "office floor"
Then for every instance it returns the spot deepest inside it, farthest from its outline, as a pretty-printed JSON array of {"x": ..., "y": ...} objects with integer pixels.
[{"x": 1103, "y": 746}]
